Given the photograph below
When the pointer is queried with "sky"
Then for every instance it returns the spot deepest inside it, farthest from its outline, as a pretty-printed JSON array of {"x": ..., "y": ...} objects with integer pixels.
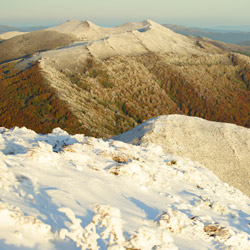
[{"x": 193, "y": 13}]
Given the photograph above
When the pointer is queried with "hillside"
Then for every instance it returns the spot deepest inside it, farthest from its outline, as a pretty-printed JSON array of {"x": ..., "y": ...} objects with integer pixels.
[
  {"x": 27, "y": 44},
  {"x": 60, "y": 192},
  {"x": 129, "y": 74},
  {"x": 222, "y": 147},
  {"x": 27, "y": 100}
]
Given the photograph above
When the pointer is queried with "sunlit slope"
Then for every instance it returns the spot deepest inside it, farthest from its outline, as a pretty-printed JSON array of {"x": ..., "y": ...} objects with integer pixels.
[{"x": 112, "y": 79}]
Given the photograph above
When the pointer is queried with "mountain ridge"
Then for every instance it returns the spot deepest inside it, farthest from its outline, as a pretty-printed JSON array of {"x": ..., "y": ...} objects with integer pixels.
[
  {"x": 67, "y": 189},
  {"x": 222, "y": 147},
  {"x": 132, "y": 73}
]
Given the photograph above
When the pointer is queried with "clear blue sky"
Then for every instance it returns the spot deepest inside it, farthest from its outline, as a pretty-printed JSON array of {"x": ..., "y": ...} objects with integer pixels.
[{"x": 199, "y": 13}]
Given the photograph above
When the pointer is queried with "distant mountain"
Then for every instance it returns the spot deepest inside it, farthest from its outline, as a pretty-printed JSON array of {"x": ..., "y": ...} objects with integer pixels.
[
  {"x": 246, "y": 43},
  {"x": 6, "y": 28},
  {"x": 216, "y": 30},
  {"x": 243, "y": 28},
  {"x": 104, "y": 81},
  {"x": 236, "y": 37}
]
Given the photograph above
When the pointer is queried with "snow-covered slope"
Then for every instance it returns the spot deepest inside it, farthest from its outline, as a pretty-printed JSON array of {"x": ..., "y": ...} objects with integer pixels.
[
  {"x": 83, "y": 30},
  {"x": 74, "y": 192},
  {"x": 222, "y": 147},
  {"x": 86, "y": 30},
  {"x": 127, "y": 40}
]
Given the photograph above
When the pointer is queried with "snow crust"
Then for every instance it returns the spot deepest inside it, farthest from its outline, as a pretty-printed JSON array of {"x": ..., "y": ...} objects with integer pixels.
[
  {"x": 59, "y": 191},
  {"x": 222, "y": 147}
]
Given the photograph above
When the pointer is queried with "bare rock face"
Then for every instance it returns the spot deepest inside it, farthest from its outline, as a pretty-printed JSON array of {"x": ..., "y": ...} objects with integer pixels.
[{"x": 222, "y": 147}]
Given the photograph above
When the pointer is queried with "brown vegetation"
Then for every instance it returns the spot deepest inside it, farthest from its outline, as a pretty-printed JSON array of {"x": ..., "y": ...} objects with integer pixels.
[
  {"x": 217, "y": 91},
  {"x": 111, "y": 96},
  {"x": 26, "y": 100},
  {"x": 119, "y": 93}
]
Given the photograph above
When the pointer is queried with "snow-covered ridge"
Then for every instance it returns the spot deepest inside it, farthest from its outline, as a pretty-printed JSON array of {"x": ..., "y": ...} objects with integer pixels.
[
  {"x": 86, "y": 30},
  {"x": 126, "y": 40},
  {"x": 222, "y": 147},
  {"x": 76, "y": 191}
]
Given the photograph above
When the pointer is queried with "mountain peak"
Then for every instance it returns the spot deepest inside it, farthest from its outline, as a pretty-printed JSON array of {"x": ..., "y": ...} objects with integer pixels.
[
  {"x": 76, "y": 27},
  {"x": 77, "y": 23},
  {"x": 149, "y": 21}
]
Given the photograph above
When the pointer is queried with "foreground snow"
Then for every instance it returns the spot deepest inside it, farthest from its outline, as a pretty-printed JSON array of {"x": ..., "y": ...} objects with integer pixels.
[{"x": 73, "y": 192}]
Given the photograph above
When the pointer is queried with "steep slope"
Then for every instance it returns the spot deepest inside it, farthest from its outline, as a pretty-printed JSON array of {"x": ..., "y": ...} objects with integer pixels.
[
  {"x": 27, "y": 100},
  {"x": 74, "y": 192},
  {"x": 223, "y": 148},
  {"x": 111, "y": 96},
  {"x": 214, "y": 87},
  {"x": 138, "y": 71}
]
